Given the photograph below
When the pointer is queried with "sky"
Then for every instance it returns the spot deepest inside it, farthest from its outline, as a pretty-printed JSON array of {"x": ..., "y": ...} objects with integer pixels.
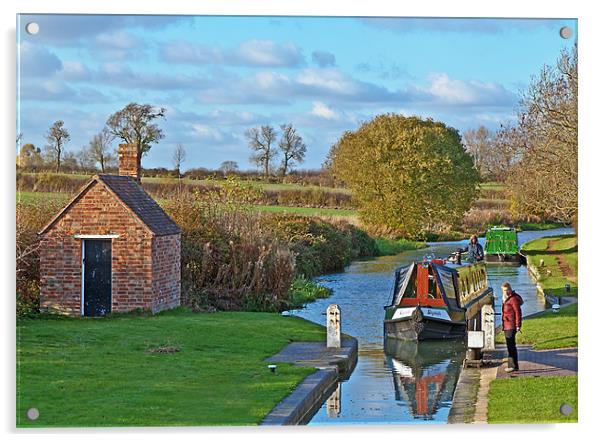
[{"x": 218, "y": 76}]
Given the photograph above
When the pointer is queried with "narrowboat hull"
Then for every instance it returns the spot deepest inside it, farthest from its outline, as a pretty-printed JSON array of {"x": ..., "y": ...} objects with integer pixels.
[{"x": 420, "y": 326}]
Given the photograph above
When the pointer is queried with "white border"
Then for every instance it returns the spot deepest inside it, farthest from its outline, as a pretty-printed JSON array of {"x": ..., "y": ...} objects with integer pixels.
[{"x": 590, "y": 66}]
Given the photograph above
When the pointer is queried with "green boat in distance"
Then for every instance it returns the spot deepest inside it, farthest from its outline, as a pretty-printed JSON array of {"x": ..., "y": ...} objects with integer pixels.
[{"x": 501, "y": 246}]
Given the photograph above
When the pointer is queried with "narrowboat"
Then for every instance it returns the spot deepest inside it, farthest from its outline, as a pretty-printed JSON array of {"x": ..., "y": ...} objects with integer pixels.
[
  {"x": 501, "y": 246},
  {"x": 424, "y": 373},
  {"x": 436, "y": 299}
]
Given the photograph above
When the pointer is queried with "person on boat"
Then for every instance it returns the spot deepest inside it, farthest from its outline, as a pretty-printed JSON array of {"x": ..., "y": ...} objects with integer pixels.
[
  {"x": 474, "y": 249},
  {"x": 511, "y": 323}
]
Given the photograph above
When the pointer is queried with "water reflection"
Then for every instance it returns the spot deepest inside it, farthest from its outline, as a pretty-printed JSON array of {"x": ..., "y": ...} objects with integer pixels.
[
  {"x": 424, "y": 374},
  {"x": 378, "y": 391}
]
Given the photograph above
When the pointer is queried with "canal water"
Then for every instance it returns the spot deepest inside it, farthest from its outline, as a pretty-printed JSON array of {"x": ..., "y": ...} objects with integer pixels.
[{"x": 410, "y": 382}]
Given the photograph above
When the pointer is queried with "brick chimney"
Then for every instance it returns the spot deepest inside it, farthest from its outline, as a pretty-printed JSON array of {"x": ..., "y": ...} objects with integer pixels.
[{"x": 129, "y": 164}]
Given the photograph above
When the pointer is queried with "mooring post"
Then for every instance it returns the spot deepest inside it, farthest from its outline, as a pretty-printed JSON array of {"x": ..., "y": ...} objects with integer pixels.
[
  {"x": 333, "y": 326},
  {"x": 488, "y": 325}
]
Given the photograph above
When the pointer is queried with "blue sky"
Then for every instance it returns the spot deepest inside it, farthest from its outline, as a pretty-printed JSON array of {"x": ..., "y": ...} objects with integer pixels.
[{"x": 218, "y": 76}]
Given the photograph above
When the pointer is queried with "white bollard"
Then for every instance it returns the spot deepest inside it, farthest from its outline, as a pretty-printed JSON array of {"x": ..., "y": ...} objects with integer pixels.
[
  {"x": 333, "y": 326},
  {"x": 488, "y": 326}
]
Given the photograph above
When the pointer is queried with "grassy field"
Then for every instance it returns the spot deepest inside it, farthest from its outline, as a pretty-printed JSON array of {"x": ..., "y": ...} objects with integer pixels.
[
  {"x": 309, "y": 211},
  {"x": 492, "y": 185},
  {"x": 532, "y": 400},
  {"x": 34, "y": 197},
  {"x": 549, "y": 330},
  {"x": 259, "y": 184},
  {"x": 559, "y": 254},
  {"x": 109, "y": 372}
]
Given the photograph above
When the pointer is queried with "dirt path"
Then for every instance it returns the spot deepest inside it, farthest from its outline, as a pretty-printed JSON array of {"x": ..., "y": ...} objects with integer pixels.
[{"x": 563, "y": 265}]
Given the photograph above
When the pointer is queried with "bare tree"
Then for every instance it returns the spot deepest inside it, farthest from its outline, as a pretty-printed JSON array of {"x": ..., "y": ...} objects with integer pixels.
[
  {"x": 179, "y": 156},
  {"x": 57, "y": 136},
  {"x": 99, "y": 148},
  {"x": 228, "y": 167},
  {"x": 292, "y": 147},
  {"x": 261, "y": 140},
  {"x": 479, "y": 143},
  {"x": 543, "y": 182},
  {"x": 85, "y": 159},
  {"x": 134, "y": 125}
]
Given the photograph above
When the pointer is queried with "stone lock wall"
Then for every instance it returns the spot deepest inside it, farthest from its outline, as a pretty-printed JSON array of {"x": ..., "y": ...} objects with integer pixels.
[{"x": 145, "y": 269}]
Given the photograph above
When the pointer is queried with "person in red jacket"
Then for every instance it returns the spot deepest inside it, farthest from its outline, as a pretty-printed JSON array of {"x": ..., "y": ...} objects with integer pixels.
[{"x": 511, "y": 323}]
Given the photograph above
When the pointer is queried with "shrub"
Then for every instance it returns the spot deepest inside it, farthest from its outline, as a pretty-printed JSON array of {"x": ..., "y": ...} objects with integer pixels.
[
  {"x": 321, "y": 246},
  {"x": 304, "y": 291},
  {"x": 229, "y": 261},
  {"x": 30, "y": 219}
]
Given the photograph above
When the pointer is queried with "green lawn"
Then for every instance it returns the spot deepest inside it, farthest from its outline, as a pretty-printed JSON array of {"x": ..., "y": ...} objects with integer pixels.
[
  {"x": 555, "y": 250},
  {"x": 549, "y": 330},
  {"x": 531, "y": 400},
  {"x": 101, "y": 372}
]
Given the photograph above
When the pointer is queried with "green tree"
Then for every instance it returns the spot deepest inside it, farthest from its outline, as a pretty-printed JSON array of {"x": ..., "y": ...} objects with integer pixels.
[
  {"x": 134, "y": 124},
  {"x": 30, "y": 157},
  {"x": 408, "y": 175}
]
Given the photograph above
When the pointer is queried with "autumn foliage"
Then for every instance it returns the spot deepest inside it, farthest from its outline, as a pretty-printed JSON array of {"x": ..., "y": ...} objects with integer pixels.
[{"x": 408, "y": 175}]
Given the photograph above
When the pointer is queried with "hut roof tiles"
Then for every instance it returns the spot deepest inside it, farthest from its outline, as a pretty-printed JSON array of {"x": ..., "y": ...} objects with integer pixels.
[{"x": 134, "y": 197}]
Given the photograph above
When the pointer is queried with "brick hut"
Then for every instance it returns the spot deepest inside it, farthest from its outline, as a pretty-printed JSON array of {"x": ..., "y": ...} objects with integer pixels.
[{"x": 110, "y": 249}]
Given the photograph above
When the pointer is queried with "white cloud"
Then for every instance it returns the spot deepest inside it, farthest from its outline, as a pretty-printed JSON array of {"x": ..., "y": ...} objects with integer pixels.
[
  {"x": 256, "y": 53},
  {"x": 267, "y": 53},
  {"x": 467, "y": 92},
  {"x": 322, "y": 110},
  {"x": 118, "y": 40},
  {"x": 207, "y": 133},
  {"x": 329, "y": 79}
]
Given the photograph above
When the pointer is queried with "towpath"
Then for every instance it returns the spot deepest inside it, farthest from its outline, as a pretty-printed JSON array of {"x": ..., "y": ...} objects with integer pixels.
[{"x": 535, "y": 363}]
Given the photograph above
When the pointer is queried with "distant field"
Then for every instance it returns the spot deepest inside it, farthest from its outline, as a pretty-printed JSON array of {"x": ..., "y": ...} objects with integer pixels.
[
  {"x": 36, "y": 197},
  {"x": 311, "y": 211},
  {"x": 259, "y": 184},
  {"x": 492, "y": 186}
]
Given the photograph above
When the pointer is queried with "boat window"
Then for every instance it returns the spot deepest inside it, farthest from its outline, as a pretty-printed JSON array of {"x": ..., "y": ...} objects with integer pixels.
[
  {"x": 410, "y": 291},
  {"x": 447, "y": 284}
]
